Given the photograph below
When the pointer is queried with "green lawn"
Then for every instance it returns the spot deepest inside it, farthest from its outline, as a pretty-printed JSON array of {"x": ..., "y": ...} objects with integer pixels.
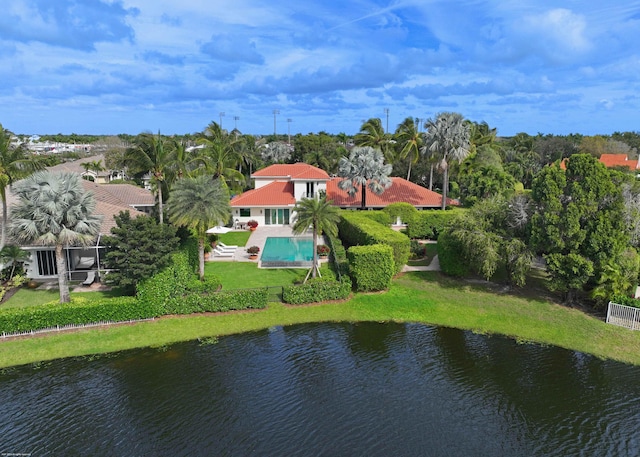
[
  {"x": 235, "y": 238},
  {"x": 425, "y": 297},
  {"x": 33, "y": 297},
  {"x": 431, "y": 251},
  {"x": 241, "y": 275}
]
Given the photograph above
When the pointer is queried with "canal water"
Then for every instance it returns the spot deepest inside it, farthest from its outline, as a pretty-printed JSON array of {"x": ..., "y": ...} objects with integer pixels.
[{"x": 326, "y": 390}]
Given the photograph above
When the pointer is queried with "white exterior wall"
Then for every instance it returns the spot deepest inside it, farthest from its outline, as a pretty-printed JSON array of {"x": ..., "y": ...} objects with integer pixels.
[
  {"x": 300, "y": 188},
  {"x": 257, "y": 214}
]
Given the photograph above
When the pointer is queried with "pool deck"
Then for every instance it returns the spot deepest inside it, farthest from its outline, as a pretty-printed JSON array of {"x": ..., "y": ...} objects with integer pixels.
[{"x": 258, "y": 238}]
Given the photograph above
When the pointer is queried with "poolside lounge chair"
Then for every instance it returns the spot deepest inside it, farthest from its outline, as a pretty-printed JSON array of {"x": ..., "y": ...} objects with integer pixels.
[
  {"x": 91, "y": 277},
  {"x": 226, "y": 246},
  {"x": 224, "y": 253}
]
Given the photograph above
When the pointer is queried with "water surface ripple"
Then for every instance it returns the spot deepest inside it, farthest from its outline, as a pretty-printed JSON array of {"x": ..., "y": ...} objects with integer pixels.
[{"x": 326, "y": 390}]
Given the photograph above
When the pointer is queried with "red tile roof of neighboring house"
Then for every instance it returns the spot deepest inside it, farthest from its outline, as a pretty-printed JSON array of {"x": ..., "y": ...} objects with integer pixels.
[
  {"x": 277, "y": 193},
  {"x": 401, "y": 190},
  {"x": 292, "y": 171},
  {"x": 618, "y": 160}
]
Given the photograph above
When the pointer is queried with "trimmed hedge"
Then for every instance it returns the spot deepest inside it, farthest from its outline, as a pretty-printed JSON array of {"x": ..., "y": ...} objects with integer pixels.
[
  {"x": 372, "y": 267},
  {"x": 80, "y": 311},
  {"x": 450, "y": 256},
  {"x": 171, "y": 283},
  {"x": 356, "y": 229},
  {"x": 428, "y": 224},
  {"x": 405, "y": 211},
  {"x": 380, "y": 216},
  {"x": 218, "y": 301},
  {"x": 317, "y": 290},
  {"x": 339, "y": 255}
]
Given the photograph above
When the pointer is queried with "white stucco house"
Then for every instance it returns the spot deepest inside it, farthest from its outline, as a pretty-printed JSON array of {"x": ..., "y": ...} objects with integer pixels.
[{"x": 278, "y": 187}]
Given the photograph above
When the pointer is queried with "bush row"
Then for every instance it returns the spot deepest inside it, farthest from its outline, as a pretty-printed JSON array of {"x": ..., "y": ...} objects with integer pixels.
[
  {"x": 356, "y": 229},
  {"x": 372, "y": 267},
  {"x": 317, "y": 290},
  {"x": 218, "y": 301},
  {"x": 428, "y": 224},
  {"x": 452, "y": 262},
  {"x": 79, "y": 311},
  {"x": 339, "y": 255}
]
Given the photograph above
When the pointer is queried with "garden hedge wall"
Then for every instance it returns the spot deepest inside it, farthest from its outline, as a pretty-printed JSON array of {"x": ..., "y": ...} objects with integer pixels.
[
  {"x": 449, "y": 254},
  {"x": 80, "y": 311},
  {"x": 428, "y": 224},
  {"x": 317, "y": 290},
  {"x": 356, "y": 229},
  {"x": 372, "y": 267}
]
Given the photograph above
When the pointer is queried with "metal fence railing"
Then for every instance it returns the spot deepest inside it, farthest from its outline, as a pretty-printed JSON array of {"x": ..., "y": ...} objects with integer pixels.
[{"x": 623, "y": 316}]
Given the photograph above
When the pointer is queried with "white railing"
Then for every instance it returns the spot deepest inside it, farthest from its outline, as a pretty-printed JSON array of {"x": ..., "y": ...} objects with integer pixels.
[
  {"x": 61, "y": 328},
  {"x": 623, "y": 316}
]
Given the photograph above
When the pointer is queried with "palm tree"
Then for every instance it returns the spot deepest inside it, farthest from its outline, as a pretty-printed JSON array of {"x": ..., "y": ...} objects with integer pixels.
[
  {"x": 14, "y": 165},
  {"x": 153, "y": 154},
  {"x": 321, "y": 216},
  {"x": 364, "y": 168},
  {"x": 54, "y": 210},
  {"x": 199, "y": 203},
  {"x": 447, "y": 137},
  {"x": 14, "y": 255},
  {"x": 410, "y": 142},
  {"x": 372, "y": 134},
  {"x": 221, "y": 156}
]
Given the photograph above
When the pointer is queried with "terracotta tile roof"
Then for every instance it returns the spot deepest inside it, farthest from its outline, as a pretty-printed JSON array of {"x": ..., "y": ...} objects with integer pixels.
[
  {"x": 401, "y": 190},
  {"x": 76, "y": 165},
  {"x": 120, "y": 194},
  {"x": 107, "y": 211},
  {"x": 618, "y": 160},
  {"x": 292, "y": 171},
  {"x": 277, "y": 193}
]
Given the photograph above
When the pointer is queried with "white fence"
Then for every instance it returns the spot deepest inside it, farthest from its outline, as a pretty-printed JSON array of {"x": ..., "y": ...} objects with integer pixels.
[{"x": 623, "y": 316}]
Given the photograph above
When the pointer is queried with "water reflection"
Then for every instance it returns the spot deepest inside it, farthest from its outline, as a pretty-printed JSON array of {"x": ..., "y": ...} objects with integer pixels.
[{"x": 327, "y": 389}]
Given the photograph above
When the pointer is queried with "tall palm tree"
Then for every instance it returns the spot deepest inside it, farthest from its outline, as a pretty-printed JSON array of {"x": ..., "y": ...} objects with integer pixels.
[
  {"x": 199, "y": 203},
  {"x": 447, "y": 137},
  {"x": 54, "y": 210},
  {"x": 14, "y": 164},
  {"x": 221, "y": 155},
  {"x": 372, "y": 134},
  {"x": 364, "y": 168},
  {"x": 321, "y": 216},
  {"x": 409, "y": 141},
  {"x": 153, "y": 154}
]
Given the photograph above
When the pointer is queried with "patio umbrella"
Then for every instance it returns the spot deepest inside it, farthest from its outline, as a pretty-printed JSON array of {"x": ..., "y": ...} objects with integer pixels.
[{"x": 218, "y": 229}]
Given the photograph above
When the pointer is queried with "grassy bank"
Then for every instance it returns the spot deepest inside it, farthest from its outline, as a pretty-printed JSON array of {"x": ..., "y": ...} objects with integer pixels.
[{"x": 423, "y": 297}]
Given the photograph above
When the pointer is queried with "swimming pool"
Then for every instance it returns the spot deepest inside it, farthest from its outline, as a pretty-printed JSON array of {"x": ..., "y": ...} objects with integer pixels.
[{"x": 287, "y": 252}]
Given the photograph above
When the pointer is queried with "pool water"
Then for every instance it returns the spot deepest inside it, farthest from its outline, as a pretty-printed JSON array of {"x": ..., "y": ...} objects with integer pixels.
[{"x": 287, "y": 249}]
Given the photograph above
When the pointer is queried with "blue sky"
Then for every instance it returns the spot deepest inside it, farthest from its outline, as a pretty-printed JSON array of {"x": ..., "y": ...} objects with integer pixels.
[{"x": 127, "y": 66}]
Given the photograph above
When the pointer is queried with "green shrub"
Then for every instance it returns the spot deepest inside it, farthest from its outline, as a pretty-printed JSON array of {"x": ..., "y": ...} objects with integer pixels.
[
  {"x": 356, "y": 229},
  {"x": 627, "y": 301},
  {"x": 317, "y": 290},
  {"x": 450, "y": 256},
  {"x": 405, "y": 211},
  {"x": 78, "y": 312},
  {"x": 339, "y": 255},
  {"x": 428, "y": 224},
  {"x": 380, "y": 216},
  {"x": 372, "y": 267},
  {"x": 418, "y": 250},
  {"x": 174, "y": 281},
  {"x": 195, "y": 302}
]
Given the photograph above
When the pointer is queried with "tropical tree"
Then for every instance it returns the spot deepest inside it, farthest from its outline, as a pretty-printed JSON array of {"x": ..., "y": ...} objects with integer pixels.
[
  {"x": 409, "y": 141},
  {"x": 187, "y": 161},
  {"x": 321, "y": 216},
  {"x": 372, "y": 134},
  {"x": 14, "y": 255},
  {"x": 153, "y": 154},
  {"x": 447, "y": 137},
  {"x": 221, "y": 155},
  {"x": 54, "y": 210},
  {"x": 199, "y": 203},
  {"x": 14, "y": 164},
  {"x": 137, "y": 249},
  {"x": 276, "y": 152},
  {"x": 364, "y": 168}
]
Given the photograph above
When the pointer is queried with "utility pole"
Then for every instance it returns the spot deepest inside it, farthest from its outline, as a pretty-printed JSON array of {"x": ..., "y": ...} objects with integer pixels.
[
  {"x": 275, "y": 113},
  {"x": 235, "y": 122},
  {"x": 221, "y": 115},
  {"x": 386, "y": 111},
  {"x": 289, "y": 130}
]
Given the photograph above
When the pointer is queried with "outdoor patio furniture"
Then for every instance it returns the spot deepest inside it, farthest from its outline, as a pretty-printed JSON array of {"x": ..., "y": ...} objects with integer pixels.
[
  {"x": 226, "y": 246},
  {"x": 224, "y": 253}
]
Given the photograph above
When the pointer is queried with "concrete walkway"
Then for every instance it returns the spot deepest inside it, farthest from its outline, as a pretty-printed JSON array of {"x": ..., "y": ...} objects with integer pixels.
[{"x": 433, "y": 266}]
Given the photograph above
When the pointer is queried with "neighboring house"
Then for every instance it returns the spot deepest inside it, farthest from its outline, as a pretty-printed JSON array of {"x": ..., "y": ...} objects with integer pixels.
[
  {"x": 613, "y": 161},
  {"x": 84, "y": 262},
  {"x": 279, "y": 187},
  {"x": 100, "y": 177}
]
